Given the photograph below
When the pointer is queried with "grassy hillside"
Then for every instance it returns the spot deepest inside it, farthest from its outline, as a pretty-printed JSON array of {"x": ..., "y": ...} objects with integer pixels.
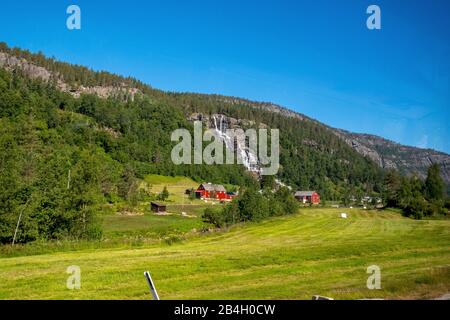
[
  {"x": 314, "y": 252},
  {"x": 159, "y": 180}
]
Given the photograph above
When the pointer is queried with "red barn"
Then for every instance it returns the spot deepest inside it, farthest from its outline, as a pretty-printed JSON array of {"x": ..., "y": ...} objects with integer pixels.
[
  {"x": 308, "y": 197},
  {"x": 212, "y": 191}
]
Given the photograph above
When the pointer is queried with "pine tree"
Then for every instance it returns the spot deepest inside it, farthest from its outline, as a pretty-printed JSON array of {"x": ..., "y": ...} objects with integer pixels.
[
  {"x": 434, "y": 184},
  {"x": 164, "y": 194},
  {"x": 393, "y": 184}
]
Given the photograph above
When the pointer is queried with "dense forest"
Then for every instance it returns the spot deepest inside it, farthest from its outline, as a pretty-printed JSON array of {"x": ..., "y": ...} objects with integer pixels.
[
  {"x": 311, "y": 156},
  {"x": 62, "y": 156}
]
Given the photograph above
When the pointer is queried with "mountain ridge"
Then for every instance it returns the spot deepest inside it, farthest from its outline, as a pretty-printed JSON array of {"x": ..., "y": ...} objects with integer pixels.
[{"x": 385, "y": 153}]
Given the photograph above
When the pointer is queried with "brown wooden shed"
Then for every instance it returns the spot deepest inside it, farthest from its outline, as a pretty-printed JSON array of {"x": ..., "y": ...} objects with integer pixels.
[{"x": 158, "y": 207}]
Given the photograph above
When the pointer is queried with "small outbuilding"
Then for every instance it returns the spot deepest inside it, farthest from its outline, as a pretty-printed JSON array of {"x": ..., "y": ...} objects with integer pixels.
[{"x": 158, "y": 207}]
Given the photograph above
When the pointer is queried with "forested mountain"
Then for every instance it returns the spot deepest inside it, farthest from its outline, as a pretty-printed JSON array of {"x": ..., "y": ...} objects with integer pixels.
[
  {"x": 385, "y": 153},
  {"x": 72, "y": 139},
  {"x": 390, "y": 155}
]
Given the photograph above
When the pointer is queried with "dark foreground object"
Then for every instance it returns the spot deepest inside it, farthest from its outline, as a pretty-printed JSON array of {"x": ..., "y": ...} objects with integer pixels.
[{"x": 265, "y": 309}]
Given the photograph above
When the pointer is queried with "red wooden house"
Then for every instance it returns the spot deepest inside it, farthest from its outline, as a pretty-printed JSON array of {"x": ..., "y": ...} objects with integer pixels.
[
  {"x": 308, "y": 197},
  {"x": 213, "y": 191}
]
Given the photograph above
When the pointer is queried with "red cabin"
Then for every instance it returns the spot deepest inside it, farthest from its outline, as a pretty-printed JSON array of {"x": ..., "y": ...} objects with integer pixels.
[
  {"x": 213, "y": 191},
  {"x": 308, "y": 197}
]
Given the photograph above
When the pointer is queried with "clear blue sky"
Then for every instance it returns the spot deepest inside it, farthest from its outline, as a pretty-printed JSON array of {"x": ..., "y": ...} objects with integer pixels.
[{"x": 315, "y": 57}]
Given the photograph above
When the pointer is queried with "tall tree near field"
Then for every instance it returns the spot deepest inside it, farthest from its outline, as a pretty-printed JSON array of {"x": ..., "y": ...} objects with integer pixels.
[
  {"x": 85, "y": 194},
  {"x": 393, "y": 185},
  {"x": 434, "y": 184}
]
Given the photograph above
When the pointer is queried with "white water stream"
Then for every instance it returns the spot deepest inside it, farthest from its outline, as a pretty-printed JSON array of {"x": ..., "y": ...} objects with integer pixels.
[{"x": 248, "y": 156}]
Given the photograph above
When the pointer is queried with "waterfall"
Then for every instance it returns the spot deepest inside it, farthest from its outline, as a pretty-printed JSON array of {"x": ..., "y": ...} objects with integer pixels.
[
  {"x": 248, "y": 157},
  {"x": 215, "y": 123}
]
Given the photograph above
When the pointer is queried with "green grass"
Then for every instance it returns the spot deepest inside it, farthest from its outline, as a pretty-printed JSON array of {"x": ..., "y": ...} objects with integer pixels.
[
  {"x": 295, "y": 257},
  {"x": 156, "y": 179},
  {"x": 149, "y": 225},
  {"x": 176, "y": 187}
]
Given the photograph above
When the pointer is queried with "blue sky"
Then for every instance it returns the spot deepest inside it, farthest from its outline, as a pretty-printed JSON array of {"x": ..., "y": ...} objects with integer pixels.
[{"x": 315, "y": 57}]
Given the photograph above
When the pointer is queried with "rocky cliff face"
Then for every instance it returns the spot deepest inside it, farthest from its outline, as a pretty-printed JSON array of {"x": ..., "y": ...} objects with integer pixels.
[
  {"x": 10, "y": 63},
  {"x": 211, "y": 121},
  {"x": 33, "y": 71},
  {"x": 391, "y": 155}
]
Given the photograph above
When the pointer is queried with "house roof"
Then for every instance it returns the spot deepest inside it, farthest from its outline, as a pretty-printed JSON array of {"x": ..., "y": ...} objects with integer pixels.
[
  {"x": 158, "y": 204},
  {"x": 304, "y": 193},
  {"x": 213, "y": 187}
]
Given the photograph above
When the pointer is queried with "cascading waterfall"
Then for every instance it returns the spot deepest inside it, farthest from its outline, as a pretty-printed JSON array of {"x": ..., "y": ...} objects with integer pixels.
[{"x": 248, "y": 156}]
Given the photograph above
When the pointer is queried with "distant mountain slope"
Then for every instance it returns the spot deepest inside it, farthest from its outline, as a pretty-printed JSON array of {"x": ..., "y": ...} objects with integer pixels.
[
  {"x": 387, "y": 154},
  {"x": 78, "y": 80},
  {"x": 392, "y": 155}
]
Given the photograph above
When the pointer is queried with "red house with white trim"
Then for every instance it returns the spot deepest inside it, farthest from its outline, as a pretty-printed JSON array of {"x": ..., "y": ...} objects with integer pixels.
[
  {"x": 307, "y": 197},
  {"x": 213, "y": 191}
]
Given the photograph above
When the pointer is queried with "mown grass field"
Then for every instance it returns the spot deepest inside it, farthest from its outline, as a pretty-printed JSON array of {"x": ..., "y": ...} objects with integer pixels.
[
  {"x": 294, "y": 257},
  {"x": 152, "y": 226},
  {"x": 176, "y": 187}
]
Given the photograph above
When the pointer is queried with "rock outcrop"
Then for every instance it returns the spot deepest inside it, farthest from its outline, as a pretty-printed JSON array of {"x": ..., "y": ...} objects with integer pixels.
[
  {"x": 391, "y": 155},
  {"x": 33, "y": 71}
]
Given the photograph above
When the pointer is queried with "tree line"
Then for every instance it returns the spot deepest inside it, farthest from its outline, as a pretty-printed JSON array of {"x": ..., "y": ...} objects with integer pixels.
[
  {"x": 62, "y": 158},
  {"x": 253, "y": 205},
  {"x": 417, "y": 198}
]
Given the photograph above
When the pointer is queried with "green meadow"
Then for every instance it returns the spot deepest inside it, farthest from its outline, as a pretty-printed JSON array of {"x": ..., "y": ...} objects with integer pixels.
[{"x": 291, "y": 257}]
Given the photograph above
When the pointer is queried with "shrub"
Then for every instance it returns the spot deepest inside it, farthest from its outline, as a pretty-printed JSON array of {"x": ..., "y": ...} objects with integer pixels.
[
  {"x": 275, "y": 208},
  {"x": 253, "y": 206},
  {"x": 417, "y": 208},
  {"x": 231, "y": 214},
  {"x": 447, "y": 204},
  {"x": 163, "y": 195},
  {"x": 215, "y": 217},
  {"x": 286, "y": 201}
]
